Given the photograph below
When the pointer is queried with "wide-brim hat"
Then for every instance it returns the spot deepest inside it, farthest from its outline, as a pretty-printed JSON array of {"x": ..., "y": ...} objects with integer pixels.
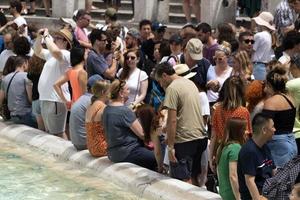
[
  {"x": 184, "y": 71},
  {"x": 66, "y": 34},
  {"x": 265, "y": 19}
]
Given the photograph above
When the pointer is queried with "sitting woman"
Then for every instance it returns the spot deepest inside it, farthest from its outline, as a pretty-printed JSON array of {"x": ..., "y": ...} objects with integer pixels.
[
  {"x": 151, "y": 123},
  {"x": 227, "y": 156},
  {"x": 123, "y": 132},
  {"x": 76, "y": 75},
  {"x": 136, "y": 79},
  {"x": 95, "y": 138},
  {"x": 281, "y": 107}
]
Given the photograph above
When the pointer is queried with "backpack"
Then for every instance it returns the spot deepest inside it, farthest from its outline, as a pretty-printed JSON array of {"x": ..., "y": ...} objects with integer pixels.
[{"x": 280, "y": 186}]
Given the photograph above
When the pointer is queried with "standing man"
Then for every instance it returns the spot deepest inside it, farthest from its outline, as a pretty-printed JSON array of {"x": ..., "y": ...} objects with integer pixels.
[
  {"x": 83, "y": 19},
  {"x": 210, "y": 44},
  {"x": 246, "y": 41},
  {"x": 255, "y": 163},
  {"x": 15, "y": 8},
  {"x": 96, "y": 60},
  {"x": 185, "y": 128},
  {"x": 57, "y": 56}
]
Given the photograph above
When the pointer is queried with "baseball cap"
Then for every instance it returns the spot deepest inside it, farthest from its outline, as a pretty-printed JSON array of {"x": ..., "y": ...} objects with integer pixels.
[
  {"x": 93, "y": 79},
  {"x": 133, "y": 32},
  {"x": 157, "y": 26},
  {"x": 110, "y": 12},
  {"x": 195, "y": 48},
  {"x": 175, "y": 38}
]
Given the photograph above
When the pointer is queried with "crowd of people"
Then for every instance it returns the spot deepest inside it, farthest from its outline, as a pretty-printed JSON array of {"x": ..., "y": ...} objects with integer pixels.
[{"x": 200, "y": 106}]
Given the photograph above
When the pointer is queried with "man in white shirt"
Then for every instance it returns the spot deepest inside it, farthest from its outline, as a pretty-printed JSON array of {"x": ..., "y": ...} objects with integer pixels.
[
  {"x": 7, "y": 52},
  {"x": 15, "y": 9},
  {"x": 262, "y": 46},
  {"x": 57, "y": 56}
]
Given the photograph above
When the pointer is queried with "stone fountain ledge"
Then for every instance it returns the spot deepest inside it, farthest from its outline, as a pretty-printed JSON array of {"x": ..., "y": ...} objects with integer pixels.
[{"x": 143, "y": 182}]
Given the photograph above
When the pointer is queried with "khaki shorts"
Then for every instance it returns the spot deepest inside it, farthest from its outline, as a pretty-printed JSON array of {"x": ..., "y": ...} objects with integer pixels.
[{"x": 54, "y": 115}]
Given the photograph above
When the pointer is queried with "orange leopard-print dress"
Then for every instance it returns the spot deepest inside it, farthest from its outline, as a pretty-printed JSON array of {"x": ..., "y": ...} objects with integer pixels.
[{"x": 96, "y": 142}]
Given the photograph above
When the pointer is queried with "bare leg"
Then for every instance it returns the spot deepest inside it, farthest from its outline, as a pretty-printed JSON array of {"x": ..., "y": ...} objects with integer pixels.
[
  {"x": 32, "y": 7},
  {"x": 186, "y": 10},
  {"x": 24, "y": 7},
  {"x": 88, "y": 5},
  {"x": 40, "y": 122},
  {"x": 196, "y": 9},
  {"x": 47, "y": 7}
]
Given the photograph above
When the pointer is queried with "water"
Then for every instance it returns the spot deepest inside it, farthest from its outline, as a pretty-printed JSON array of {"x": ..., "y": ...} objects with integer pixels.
[{"x": 21, "y": 178}]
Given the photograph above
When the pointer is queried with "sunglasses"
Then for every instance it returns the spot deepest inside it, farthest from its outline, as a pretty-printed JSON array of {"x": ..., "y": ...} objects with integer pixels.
[
  {"x": 249, "y": 41},
  {"x": 130, "y": 58}
]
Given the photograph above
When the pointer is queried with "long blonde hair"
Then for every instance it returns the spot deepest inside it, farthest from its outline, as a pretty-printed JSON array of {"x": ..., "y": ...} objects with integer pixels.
[{"x": 99, "y": 89}]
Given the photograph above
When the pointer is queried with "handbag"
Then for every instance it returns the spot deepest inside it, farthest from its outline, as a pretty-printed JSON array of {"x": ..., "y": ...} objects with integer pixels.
[{"x": 5, "y": 113}]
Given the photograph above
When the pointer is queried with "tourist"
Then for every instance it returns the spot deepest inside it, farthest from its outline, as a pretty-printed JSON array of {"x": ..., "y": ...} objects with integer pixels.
[
  {"x": 246, "y": 41},
  {"x": 255, "y": 163},
  {"x": 231, "y": 104},
  {"x": 15, "y": 10},
  {"x": 290, "y": 46},
  {"x": 96, "y": 60},
  {"x": 77, "y": 76},
  {"x": 216, "y": 75},
  {"x": 132, "y": 39},
  {"x": 186, "y": 134},
  {"x": 280, "y": 106},
  {"x": 136, "y": 79},
  {"x": 24, "y": 7},
  {"x": 195, "y": 4},
  {"x": 8, "y": 51},
  {"x": 242, "y": 66},
  {"x": 262, "y": 47},
  {"x": 17, "y": 89},
  {"x": 35, "y": 67},
  {"x": 227, "y": 157},
  {"x": 210, "y": 44},
  {"x": 47, "y": 5},
  {"x": 123, "y": 132},
  {"x": 83, "y": 19},
  {"x": 293, "y": 87},
  {"x": 57, "y": 56},
  {"x": 95, "y": 138}
]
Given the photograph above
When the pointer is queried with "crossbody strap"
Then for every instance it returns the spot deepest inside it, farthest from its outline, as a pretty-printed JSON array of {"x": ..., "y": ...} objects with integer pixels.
[{"x": 9, "y": 85}]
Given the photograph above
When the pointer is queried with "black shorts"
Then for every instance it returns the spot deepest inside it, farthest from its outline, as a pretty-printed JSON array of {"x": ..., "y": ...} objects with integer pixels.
[{"x": 188, "y": 155}]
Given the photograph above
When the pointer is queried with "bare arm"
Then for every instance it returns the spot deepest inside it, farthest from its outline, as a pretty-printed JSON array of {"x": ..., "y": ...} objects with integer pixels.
[
  {"x": 29, "y": 90},
  {"x": 212, "y": 151},
  {"x": 142, "y": 91},
  {"x": 54, "y": 50},
  {"x": 82, "y": 77},
  {"x": 137, "y": 129},
  {"x": 252, "y": 187},
  {"x": 233, "y": 177},
  {"x": 110, "y": 72},
  {"x": 37, "y": 47},
  {"x": 57, "y": 86},
  {"x": 157, "y": 151},
  {"x": 171, "y": 133},
  {"x": 87, "y": 45}
]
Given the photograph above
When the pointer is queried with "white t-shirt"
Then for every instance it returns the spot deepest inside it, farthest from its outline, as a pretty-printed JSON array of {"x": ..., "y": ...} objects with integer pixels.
[
  {"x": 21, "y": 21},
  {"x": 52, "y": 71},
  {"x": 211, "y": 75},
  {"x": 204, "y": 104},
  {"x": 262, "y": 47},
  {"x": 284, "y": 59},
  {"x": 5, "y": 54},
  {"x": 133, "y": 85}
]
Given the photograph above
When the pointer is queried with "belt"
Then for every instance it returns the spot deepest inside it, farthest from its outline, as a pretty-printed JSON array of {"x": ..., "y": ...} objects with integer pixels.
[{"x": 259, "y": 63}]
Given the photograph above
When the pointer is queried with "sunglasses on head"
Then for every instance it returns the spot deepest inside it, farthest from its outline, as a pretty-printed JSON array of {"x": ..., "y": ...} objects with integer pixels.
[{"x": 249, "y": 41}]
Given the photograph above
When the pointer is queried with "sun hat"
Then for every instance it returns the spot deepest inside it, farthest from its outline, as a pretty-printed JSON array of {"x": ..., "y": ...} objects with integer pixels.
[
  {"x": 66, "y": 34},
  {"x": 184, "y": 71},
  {"x": 265, "y": 19},
  {"x": 195, "y": 48}
]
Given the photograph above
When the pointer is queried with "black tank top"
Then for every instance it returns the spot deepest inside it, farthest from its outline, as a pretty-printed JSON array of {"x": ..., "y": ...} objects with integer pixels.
[{"x": 283, "y": 119}]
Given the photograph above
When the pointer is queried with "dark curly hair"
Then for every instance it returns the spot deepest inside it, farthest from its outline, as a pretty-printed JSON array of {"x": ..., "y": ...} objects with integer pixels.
[{"x": 277, "y": 79}]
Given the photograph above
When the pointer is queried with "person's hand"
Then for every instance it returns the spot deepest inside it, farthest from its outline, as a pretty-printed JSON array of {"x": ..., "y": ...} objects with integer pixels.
[
  {"x": 69, "y": 104},
  {"x": 214, "y": 85},
  {"x": 171, "y": 154},
  {"x": 212, "y": 165}
]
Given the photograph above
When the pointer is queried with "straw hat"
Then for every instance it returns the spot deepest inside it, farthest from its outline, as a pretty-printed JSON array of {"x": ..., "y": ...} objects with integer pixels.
[
  {"x": 184, "y": 71},
  {"x": 265, "y": 19},
  {"x": 66, "y": 34}
]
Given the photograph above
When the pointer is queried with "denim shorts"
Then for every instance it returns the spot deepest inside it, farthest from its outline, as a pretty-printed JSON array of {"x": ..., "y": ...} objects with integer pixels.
[{"x": 283, "y": 148}]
